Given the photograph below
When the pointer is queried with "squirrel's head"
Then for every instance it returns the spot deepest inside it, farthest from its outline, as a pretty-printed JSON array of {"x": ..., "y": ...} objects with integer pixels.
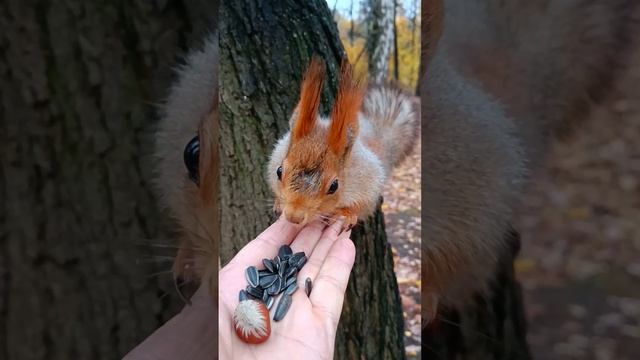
[
  {"x": 306, "y": 171},
  {"x": 187, "y": 164}
]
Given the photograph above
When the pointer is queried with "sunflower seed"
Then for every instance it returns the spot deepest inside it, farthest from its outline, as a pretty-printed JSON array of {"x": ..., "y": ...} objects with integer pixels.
[
  {"x": 290, "y": 281},
  {"x": 301, "y": 262},
  {"x": 255, "y": 292},
  {"x": 270, "y": 301},
  {"x": 283, "y": 269},
  {"x": 307, "y": 286},
  {"x": 267, "y": 281},
  {"x": 285, "y": 250},
  {"x": 275, "y": 287},
  {"x": 269, "y": 265},
  {"x": 282, "y": 308},
  {"x": 242, "y": 296},
  {"x": 253, "y": 278},
  {"x": 265, "y": 297},
  {"x": 291, "y": 289},
  {"x": 277, "y": 262},
  {"x": 264, "y": 272},
  {"x": 290, "y": 272},
  {"x": 295, "y": 258}
]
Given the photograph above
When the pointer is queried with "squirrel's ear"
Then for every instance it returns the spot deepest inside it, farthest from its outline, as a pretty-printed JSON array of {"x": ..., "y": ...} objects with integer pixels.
[
  {"x": 305, "y": 114},
  {"x": 344, "y": 116}
]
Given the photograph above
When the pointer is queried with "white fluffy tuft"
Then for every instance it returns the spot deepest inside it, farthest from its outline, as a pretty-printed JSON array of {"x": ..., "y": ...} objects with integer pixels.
[{"x": 249, "y": 319}]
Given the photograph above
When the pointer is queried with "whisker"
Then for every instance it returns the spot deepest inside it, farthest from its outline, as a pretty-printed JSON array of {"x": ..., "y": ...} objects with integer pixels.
[{"x": 165, "y": 272}]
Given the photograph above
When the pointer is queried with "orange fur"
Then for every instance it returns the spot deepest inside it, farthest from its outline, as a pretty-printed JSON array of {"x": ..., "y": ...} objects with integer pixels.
[
  {"x": 208, "y": 167},
  {"x": 309, "y": 99},
  {"x": 344, "y": 117},
  {"x": 336, "y": 150}
]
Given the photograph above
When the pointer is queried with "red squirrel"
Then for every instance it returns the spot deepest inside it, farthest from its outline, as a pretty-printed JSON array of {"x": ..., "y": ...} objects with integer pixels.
[
  {"x": 334, "y": 166},
  {"x": 502, "y": 80}
]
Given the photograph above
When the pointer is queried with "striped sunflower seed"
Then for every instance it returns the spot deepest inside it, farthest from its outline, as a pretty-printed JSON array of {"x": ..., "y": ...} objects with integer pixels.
[
  {"x": 301, "y": 262},
  {"x": 269, "y": 265},
  {"x": 291, "y": 289},
  {"x": 270, "y": 302},
  {"x": 283, "y": 269},
  {"x": 284, "y": 251},
  {"x": 293, "y": 260},
  {"x": 242, "y": 296},
  {"x": 275, "y": 288},
  {"x": 289, "y": 281},
  {"x": 253, "y": 278},
  {"x": 292, "y": 271},
  {"x": 255, "y": 292},
  {"x": 283, "y": 306},
  {"x": 267, "y": 281}
]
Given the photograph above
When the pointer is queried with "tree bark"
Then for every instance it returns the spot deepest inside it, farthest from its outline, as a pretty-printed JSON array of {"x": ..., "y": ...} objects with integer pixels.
[
  {"x": 494, "y": 328},
  {"x": 264, "y": 49},
  {"x": 78, "y": 214}
]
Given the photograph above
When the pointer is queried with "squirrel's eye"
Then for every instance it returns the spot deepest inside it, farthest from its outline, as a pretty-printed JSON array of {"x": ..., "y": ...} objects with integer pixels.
[
  {"x": 334, "y": 187},
  {"x": 279, "y": 173},
  {"x": 191, "y": 158}
]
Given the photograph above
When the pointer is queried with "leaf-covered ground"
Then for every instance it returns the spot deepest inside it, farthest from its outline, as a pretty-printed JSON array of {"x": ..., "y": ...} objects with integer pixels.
[
  {"x": 402, "y": 217},
  {"x": 580, "y": 227}
]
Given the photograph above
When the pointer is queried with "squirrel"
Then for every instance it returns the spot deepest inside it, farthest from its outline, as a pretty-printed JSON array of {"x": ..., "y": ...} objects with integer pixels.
[
  {"x": 335, "y": 167},
  {"x": 501, "y": 81},
  {"x": 187, "y": 164}
]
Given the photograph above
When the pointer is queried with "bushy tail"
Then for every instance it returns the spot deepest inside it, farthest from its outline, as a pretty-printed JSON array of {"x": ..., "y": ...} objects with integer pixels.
[
  {"x": 573, "y": 50},
  {"x": 547, "y": 61},
  {"x": 395, "y": 119}
]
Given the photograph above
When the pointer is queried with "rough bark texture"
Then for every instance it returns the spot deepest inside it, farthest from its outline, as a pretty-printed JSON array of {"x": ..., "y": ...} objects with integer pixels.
[
  {"x": 265, "y": 47},
  {"x": 494, "y": 328},
  {"x": 77, "y": 212}
]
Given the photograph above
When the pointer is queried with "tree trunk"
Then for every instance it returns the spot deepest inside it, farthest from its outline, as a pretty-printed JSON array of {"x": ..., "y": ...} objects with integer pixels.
[
  {"x": 78, "y": 215},
  {"x": 494, "y": 328},
  {"x": 265, "y": 47},
  {"x": 379, "y": 43}
]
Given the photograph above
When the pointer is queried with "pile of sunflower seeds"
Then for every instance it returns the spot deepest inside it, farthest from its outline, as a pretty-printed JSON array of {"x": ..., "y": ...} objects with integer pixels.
[{"x": 278, "y": 277}]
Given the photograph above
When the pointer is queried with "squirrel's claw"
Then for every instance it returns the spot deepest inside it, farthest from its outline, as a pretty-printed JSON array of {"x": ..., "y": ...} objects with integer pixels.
[{"x": 349, "y": 222}]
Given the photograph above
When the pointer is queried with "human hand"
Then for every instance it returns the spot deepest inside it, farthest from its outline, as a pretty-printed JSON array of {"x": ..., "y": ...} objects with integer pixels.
[
  {"x": 309, "y": 327},
  {"x": 188, "y": 335}
]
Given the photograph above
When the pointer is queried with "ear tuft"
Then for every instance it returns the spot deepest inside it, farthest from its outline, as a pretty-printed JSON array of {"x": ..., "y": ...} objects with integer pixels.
[
  {"x": 309, "y": 99},
  {"x": 344, "y": 117}
]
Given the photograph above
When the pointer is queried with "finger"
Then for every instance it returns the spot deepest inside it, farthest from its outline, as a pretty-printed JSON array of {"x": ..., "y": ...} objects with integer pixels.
[
  {"x": 308, "y": 237},
  {"x": 266, "y": 245},
  {"x": 327, "y": 295},
  {"x": 316, "y": 258}
]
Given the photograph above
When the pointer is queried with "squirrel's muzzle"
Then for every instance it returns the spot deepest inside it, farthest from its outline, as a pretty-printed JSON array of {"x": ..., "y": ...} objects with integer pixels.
[{"x": 295, "y": 219}]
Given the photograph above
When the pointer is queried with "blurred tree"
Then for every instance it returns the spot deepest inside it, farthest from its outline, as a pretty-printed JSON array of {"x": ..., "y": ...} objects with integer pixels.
[
  {"x": 78, "y": 81},
  {"x": 354, "y": 37},
  {"x": 264, "y": 50},
  {"x": 379, "y": 44}
]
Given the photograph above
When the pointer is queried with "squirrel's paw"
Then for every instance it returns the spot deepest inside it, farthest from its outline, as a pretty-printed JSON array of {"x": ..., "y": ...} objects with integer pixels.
[{"x": 349, "y": 221}]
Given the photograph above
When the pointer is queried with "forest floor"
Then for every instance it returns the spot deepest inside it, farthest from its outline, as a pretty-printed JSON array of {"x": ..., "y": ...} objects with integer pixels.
[
  {"x": 403, "y": 223},
  {"x": 580, "y": 226}
]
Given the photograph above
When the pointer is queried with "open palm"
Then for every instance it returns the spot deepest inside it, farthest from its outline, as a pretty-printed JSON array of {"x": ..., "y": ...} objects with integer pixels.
[{"x": 308, "y": 330}]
